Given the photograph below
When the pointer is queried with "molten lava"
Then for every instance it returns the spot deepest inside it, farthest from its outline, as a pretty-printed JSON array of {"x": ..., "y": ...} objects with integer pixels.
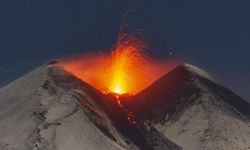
[
  {"x": 125, "y": 70},
  {"x": 124, "y": 65}
]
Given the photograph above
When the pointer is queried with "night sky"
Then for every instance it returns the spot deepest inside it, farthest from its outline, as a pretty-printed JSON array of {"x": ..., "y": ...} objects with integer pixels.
[{"x": 212, "y": 34}]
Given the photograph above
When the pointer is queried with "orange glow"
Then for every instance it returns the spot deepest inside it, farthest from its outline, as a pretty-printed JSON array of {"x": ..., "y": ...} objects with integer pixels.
[
  {"x": 124, "y": 66},
  {"x": 125, "y": 70}
]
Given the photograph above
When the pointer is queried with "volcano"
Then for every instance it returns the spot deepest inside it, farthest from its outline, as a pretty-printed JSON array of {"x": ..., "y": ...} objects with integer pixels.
[{"x": 50, "y": 108}]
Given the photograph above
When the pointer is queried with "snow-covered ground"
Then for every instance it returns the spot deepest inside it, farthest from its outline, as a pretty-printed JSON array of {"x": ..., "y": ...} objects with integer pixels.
[
  {"x": 37, "y": 113},
  {"x": 49, "y": 109},
  {"x": 208, "y": 124},
  {"x": 211, "y": 118}
]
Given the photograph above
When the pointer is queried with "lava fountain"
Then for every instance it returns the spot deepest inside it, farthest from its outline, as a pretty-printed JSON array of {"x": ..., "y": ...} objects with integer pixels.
[
  {"x": 127, "y": 69},
  {"x": 123, "y": 67}
]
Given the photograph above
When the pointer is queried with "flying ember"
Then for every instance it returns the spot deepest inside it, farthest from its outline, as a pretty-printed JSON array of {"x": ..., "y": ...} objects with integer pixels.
[
  {"x": 127, "y": 69},
  {"x": 125, "y": 65}
]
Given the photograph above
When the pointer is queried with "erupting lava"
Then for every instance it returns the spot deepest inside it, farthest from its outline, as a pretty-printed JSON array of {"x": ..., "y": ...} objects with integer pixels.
[
  {"x": 125, "y": 70},
  {"x": 124, "y": 65}
]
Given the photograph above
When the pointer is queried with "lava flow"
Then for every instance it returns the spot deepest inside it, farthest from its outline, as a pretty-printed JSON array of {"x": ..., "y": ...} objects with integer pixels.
[{"x": 130, "y": 116}]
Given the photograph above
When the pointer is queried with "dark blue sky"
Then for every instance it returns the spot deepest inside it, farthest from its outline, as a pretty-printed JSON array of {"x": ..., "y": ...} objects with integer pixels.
[{"x": 214, "y": 34}]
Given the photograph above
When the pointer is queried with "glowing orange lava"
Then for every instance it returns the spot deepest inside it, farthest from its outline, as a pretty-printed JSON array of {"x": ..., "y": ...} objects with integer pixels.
[
  {"x": 125, "y": 70},
  {"x": 124, "y": 66}
]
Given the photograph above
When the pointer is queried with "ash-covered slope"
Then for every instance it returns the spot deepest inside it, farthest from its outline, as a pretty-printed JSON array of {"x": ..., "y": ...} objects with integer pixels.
[
  {"x": 51, "y": 109},
  {"x": 194, "y": 112}
]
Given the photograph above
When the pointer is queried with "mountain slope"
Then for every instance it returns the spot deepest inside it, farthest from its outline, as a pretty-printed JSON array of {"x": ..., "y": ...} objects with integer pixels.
[
  {"x": 193, "y": 111},
  {"x": 37, "y": 113},
  {"x": 51, "y": 109}
]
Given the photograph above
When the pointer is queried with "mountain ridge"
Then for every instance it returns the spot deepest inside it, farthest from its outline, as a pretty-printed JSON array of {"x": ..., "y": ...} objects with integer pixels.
[
  {"x": 194, "y": 111},
  {"x": 49, "y": 108},
  {"x": 180, "y": 79}
]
